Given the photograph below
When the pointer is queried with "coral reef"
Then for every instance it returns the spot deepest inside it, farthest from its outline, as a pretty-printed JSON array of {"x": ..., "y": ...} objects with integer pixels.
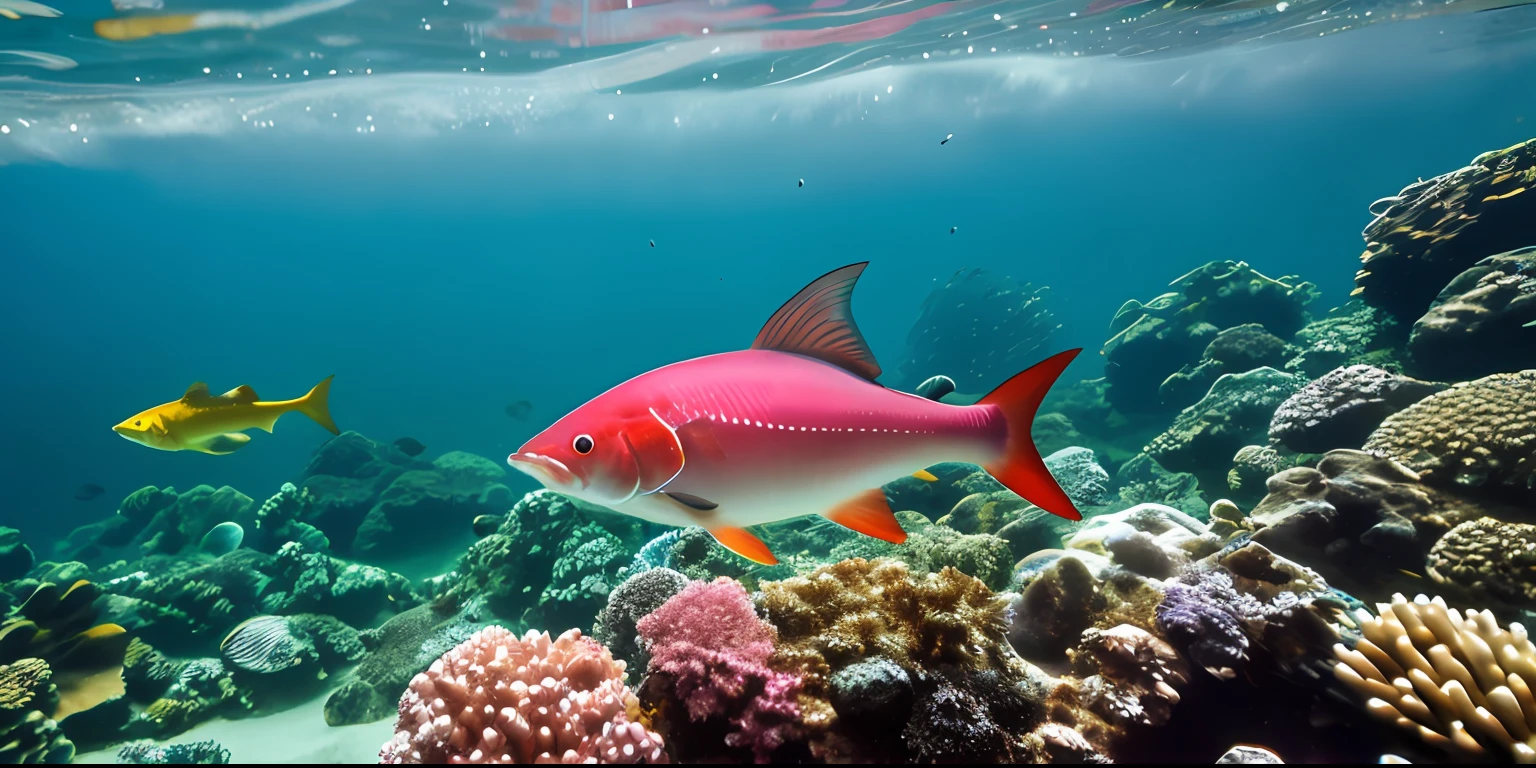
[
  {"x": 500, "y": 699},
  {"x": 1480, "y": 323},
  {"x": 304, "y": 581},
  {"x": 1433, "y": 229},
  {"x": 1459, "y": 682},
  {"x": 1153, "y": 341},
  {"x": 157, "y": 521},
  {"x": 1477, "y": 434},
  {"x": 1354, "y": 334},
  {"x": 1238, "y": 349},
  {"x": 27, "y": 734},
  {"x": 147, "y": 752},
  {"x": 1343, "y": 407},
  {"x": 978, "y": 329},
  {"x": 1236, "y": 412}
]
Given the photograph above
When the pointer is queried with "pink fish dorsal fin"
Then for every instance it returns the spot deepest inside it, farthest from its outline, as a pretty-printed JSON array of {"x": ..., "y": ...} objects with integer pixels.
[
  {"x": 818, "y": 323},
  {"x": 656, "y": 449}
]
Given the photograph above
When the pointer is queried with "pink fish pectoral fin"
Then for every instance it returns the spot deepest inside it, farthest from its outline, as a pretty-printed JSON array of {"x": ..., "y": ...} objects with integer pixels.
[
  {"x": 656, "y": 449},
  {"x": 818, "y": 322},
  {"x": 691, "y": 501},
  {"x": 870, "y": 514},
  {"x": 743, "y": 543}
]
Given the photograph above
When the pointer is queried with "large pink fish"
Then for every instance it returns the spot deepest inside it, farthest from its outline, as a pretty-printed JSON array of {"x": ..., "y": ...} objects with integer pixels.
[{"x": 796, "y": 425}]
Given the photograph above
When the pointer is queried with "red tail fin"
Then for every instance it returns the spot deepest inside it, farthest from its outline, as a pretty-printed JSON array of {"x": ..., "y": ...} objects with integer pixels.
[{"x": 1021, "y": 469}]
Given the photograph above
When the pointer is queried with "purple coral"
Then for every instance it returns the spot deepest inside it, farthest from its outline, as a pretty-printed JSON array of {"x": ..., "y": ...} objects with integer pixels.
[
  {"x": 1199, "y": 613},
  {"x": 709, "y": 643}
]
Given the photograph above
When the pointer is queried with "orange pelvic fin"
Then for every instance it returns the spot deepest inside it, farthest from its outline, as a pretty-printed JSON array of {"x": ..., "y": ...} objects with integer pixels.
[
  {"x": 743, "y": 543},
  {"x": 870, "y": 514}
]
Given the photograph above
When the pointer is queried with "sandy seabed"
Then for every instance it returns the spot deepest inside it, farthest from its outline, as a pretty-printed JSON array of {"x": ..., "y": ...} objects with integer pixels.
[{"x": 297, "y": 735}]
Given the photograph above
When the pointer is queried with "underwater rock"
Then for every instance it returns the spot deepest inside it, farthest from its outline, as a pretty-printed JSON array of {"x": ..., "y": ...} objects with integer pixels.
[
  {"x": 1236, "y": 412},
  {"x": 979, "y": 329},
  {"x": 1479, "y": 434},
  {"x": 1142, "y": 480},
  {"x": 639, "y": 596},
  {"x": 344, "y": 478},
  {"x": 423, "y": 508},
  {"x": 1153, "y": 341},
  {"x": 1454, "y": 660},
  {"x": 1489, "y": 558},
  {"x": 203, "y": 689},
  {"x": 397, "y": 651},
  {"x": 149, "y": 752},
  {"x": 1151, "y": 540},
  {"x": 1053, "y": 432},
  {"x": 1354, "y": 334},
  {"x": 874, "y": 689},
  {"x": 972, "y": 695},
  {"x": 1234, "y": 350},
  {"x": 566, "y": 698},
  {"x": 15, "y": 556},
  {"x": 222, "y": 539},
  {"x": 1129, "y": 676},
  {"x": 1354, "y": 509},
  {"x": 1480, "y": 322},
  {"x": 27, "y": 735},
  {"x": 1341, "y": 409},
  {"x": 1051, "y": 613},
  {"x": 1244, "y": 755},
  {"x": 155, "y": 521},
  {"x": 1435, "y": 228}
]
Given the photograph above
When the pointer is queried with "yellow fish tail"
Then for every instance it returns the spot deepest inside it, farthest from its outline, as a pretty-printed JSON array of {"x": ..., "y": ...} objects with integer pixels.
[
  {"x": 317, "y": 405},
  {"x": 139, "y": 27}
]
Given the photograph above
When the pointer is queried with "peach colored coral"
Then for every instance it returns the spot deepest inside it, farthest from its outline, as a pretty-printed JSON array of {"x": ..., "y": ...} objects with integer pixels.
[{"x": 500, "y": 699}]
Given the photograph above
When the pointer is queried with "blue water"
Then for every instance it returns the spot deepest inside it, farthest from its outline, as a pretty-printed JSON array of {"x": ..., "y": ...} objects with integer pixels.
[{"x": 441, "y": 277}]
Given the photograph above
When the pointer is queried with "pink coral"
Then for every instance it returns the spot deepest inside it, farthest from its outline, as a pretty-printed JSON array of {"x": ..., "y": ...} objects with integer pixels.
[
  {"x": 709, "y": 643},
  {"x": 498, "y": 699}
]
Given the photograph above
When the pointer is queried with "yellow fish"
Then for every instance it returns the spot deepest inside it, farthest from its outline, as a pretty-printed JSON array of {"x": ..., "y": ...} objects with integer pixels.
[{"x": 212, "y": 424}]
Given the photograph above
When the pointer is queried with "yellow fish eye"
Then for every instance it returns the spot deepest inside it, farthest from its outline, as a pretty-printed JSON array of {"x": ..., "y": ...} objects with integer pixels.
[{"x": 138, "y": 423}]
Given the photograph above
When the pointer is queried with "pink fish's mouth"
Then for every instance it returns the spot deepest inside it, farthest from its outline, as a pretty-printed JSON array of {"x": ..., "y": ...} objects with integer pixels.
[{"x": 551, "y": 472}]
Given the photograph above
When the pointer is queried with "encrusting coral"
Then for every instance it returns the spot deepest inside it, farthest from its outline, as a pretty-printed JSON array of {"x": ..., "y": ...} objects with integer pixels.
[
  {"x": 1478, "y": 434},
  {"x": 500, "y": 699},
  {"x": 1460, "y": 682}
]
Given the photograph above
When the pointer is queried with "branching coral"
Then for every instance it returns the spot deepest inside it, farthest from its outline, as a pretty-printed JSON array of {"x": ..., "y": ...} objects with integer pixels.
[
  {"x": 1461, "y": 682},
  {"x": 500, "y": 699},
  {"x": 711, "y": 650}
]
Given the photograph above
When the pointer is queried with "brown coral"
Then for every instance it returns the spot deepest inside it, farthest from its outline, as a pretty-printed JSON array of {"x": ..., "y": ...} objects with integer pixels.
[
  {"x": 27, "y": 735},
  {"x": 1479, "y": 434},
  {"x": 931, "y": 650},
  {"x": 1128, "y": 675},
  {"x": 1490, "y": 557}
]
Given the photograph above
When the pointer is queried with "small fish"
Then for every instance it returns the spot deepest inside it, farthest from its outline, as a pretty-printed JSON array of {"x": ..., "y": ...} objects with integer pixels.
[
  {"x": 15, "y": 9},
  {"x": 1410, "y": 574},
  {"x": 953, "y": 230},
  {"x": 212, "y": 424},
  {"x": 89, "y": 491},
  {"x": 49, "y": 61},
  {"x": 802, "y": 182},
  {"x": 1531, "y": 324},
  {"x": 946, "y": 139},
  {"x": 794, "y": 425},
  {"x": 520, "y": 410},
  {"x": 653, "y": 243},
  {"x": 410, "y": 446}
]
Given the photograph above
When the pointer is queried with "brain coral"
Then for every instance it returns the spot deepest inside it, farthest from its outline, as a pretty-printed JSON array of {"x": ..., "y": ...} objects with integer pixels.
[
  {"x": 499, "y": 699},
  {"x": 1477, "y": 434},
  {"x": 1488, "y": 556}
]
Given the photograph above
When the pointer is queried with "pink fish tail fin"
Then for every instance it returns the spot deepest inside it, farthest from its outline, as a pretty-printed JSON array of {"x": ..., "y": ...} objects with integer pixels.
[{"x": 1021, "y": 469}]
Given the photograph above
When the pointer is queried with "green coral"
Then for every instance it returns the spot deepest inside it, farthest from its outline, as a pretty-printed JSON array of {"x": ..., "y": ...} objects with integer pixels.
[{"x": 931, "y": 548}]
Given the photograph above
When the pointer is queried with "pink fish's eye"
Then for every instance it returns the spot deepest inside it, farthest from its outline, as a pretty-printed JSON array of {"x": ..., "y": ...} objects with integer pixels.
[{"x": 582, "y": 444}]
